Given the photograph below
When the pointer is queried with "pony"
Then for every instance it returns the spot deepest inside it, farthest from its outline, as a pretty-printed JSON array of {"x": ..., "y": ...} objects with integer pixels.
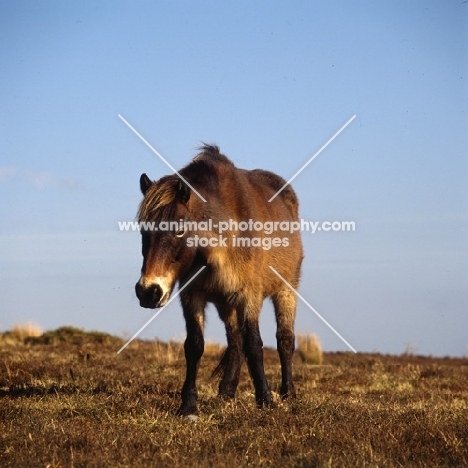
[{"x": 182, "y": 233}]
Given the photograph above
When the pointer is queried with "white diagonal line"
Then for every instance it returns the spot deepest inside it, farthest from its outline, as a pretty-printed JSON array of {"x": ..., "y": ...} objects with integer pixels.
[
  {"x": 312, "y": 158},
  {"x": 312, "y": 309},
  {"x": 160, "y": 310},
  {"x": 160, "y": 157}
]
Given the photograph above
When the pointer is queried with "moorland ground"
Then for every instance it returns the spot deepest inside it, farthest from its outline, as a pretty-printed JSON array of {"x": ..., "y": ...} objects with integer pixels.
[{"x": 67, "y": 399}]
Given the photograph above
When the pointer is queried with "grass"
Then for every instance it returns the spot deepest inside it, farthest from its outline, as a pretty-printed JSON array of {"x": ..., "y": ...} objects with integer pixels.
[
  {"x": 74, "y": 402},
  {"x": 20, "y": 332},
  {"x": 309, "y": 349}
]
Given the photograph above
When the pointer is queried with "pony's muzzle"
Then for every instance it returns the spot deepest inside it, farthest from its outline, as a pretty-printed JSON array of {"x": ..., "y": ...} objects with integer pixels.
[{"x": 150, "y": 296}]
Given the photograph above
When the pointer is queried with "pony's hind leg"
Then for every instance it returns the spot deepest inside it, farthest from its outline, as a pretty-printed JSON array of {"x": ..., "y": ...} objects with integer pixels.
[
  {"x": 231, "y": 362},
  {"x": 284, "y": 302},
  {"x": 253, "y": 349}
]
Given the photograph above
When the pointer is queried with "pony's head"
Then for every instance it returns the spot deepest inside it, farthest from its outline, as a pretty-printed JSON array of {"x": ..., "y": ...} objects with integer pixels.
[{"x": 162, "y": 215}]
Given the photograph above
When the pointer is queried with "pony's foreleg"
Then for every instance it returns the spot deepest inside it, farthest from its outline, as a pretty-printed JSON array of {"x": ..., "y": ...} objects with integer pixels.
[
  {"x": 285, "y": 309},
  {"x": 194, "y": 346}
]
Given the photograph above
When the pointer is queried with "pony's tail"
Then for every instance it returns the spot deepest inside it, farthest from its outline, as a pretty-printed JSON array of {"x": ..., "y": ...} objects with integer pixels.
[{"x": 221, "y": 367}]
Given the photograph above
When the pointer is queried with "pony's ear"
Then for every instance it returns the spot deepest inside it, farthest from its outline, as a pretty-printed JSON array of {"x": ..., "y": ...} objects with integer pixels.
[
  {"x": 183, "y": 192},
  {"x": 145, "y": 183}
]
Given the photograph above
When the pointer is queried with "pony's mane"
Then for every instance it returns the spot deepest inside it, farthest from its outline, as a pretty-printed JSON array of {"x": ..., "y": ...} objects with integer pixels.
[
  {"x": 209, "y": 154},
  {"x": 159, "y": 195},
  {"x": 157, "y": 202}
]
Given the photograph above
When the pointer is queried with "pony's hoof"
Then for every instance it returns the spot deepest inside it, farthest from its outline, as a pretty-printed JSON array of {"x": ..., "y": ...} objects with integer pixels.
[{"x": 193, "y": 418}]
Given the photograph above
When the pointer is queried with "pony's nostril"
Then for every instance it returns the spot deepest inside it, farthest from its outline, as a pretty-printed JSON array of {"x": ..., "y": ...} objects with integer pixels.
[{"x": 157, "y": 293}]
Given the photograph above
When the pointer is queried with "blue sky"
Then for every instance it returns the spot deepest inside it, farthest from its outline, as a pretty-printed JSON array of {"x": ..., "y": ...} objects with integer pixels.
[{"x": 270, "y": 83}]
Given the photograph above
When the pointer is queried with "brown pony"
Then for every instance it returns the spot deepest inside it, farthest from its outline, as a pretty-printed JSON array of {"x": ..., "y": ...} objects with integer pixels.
[{"x": 236, "y": 277}]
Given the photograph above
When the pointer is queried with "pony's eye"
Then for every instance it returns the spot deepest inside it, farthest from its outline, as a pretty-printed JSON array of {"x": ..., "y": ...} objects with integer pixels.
[{"x": 180, "y": 232}]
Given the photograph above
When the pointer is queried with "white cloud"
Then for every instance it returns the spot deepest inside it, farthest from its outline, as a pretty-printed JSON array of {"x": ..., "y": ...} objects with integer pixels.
[
  {"x": 7, "y": 172},
  {"x": 38, "y": 179}
]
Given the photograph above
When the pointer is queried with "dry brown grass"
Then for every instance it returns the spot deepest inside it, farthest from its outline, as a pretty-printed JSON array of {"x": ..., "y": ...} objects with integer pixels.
[
  {"x": 20, "y": 332},
  {"x": 309, "y": 349},
  {"x": 77, "y": 403}
]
